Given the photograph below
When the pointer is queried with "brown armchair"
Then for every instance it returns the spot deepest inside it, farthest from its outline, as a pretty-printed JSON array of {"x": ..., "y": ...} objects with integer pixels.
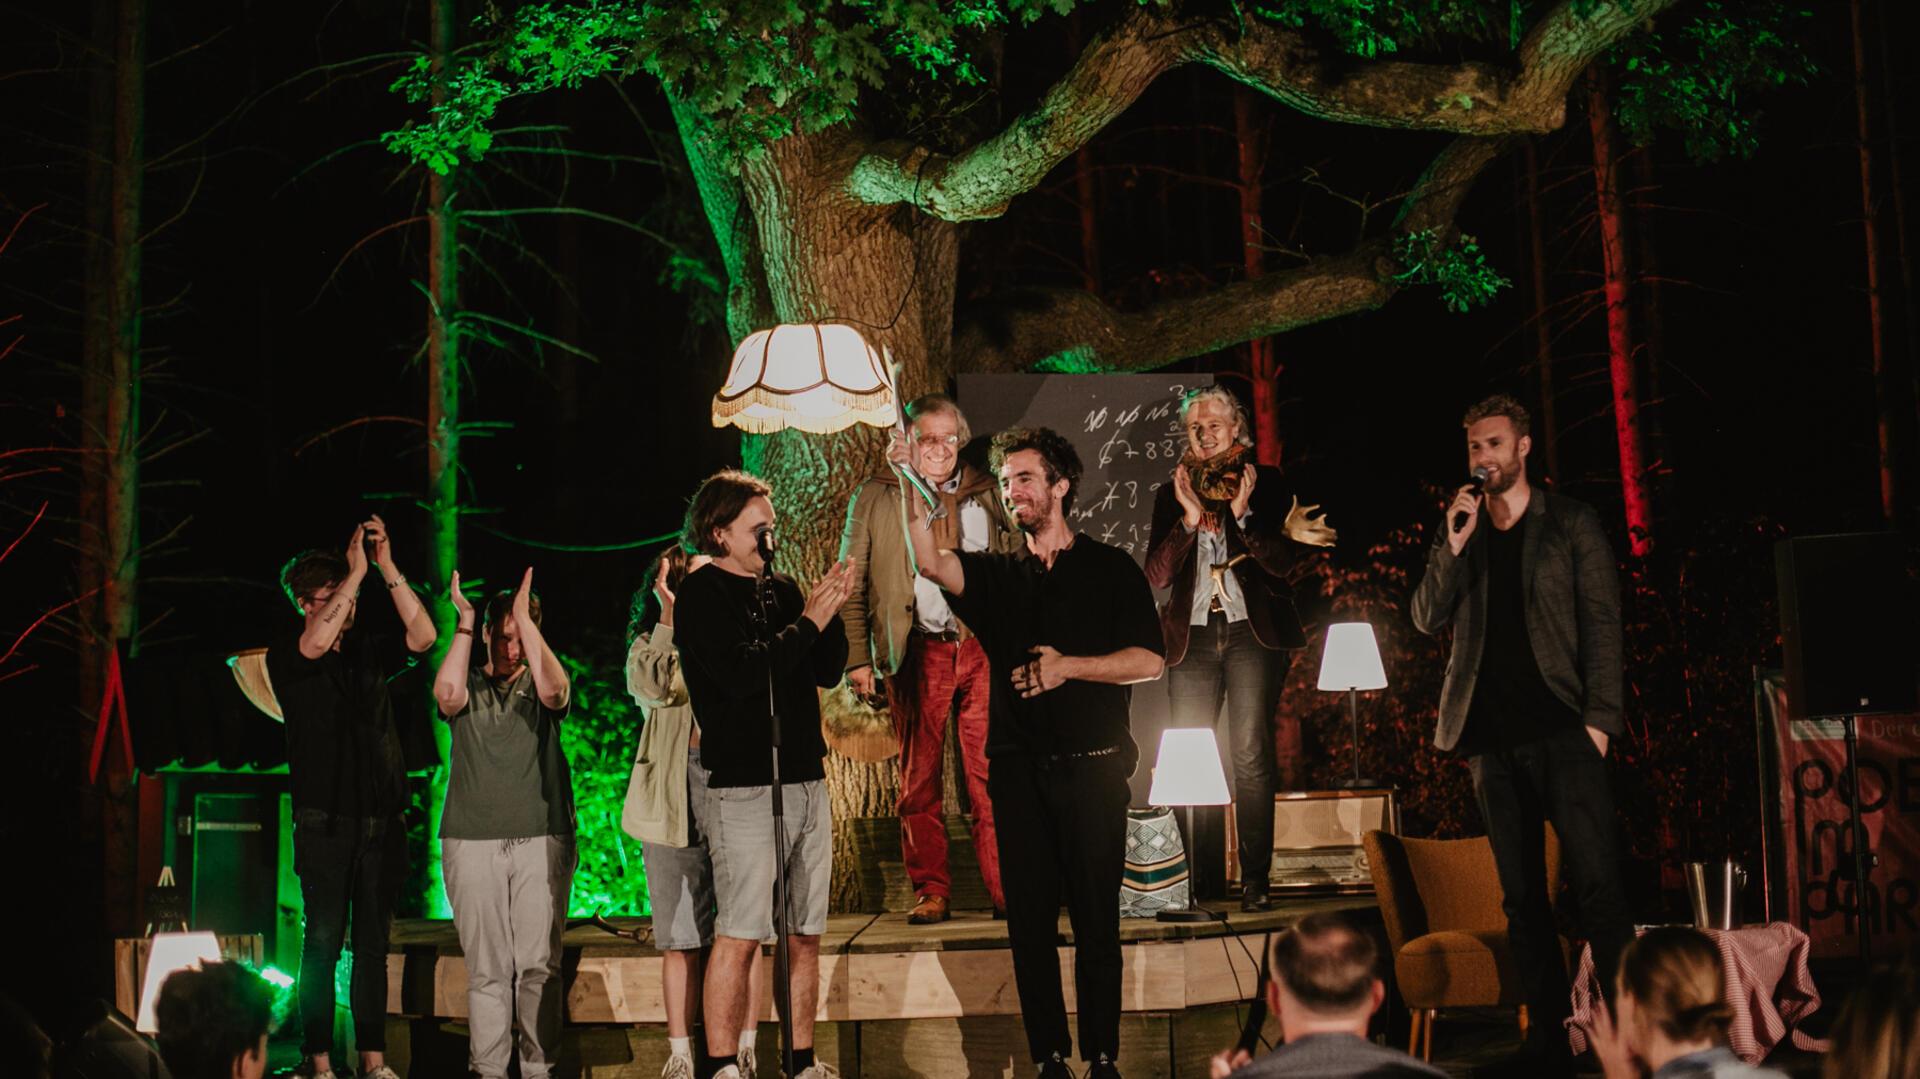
[{"x": 1440, "y": 899}]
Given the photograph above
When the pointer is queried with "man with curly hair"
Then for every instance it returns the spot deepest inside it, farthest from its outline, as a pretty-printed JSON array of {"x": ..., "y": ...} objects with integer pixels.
[{"x": 1068, "y": 624}]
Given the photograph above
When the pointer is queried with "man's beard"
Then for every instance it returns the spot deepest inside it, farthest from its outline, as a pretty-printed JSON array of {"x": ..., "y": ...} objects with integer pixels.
[
  {"x": 1510, "y": 472},
  {"x": 1042, "y": 512}
]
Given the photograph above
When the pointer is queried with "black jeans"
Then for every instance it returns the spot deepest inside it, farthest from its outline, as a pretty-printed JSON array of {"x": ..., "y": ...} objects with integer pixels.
[
  {"x": 1065, "y": 837},
  {"x": 347, "y": 865},
  {"x": 1562, "y": 779},
  {"x": 1224, "y": 659}
]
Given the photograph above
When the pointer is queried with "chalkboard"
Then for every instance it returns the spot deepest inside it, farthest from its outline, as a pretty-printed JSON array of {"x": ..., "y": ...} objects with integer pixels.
[{"x": 1126, "y": 427}]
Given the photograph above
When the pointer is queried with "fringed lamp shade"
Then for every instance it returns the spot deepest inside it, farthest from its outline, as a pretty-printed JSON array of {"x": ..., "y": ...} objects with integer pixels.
[
  {"x": 818, "y": 377},
  {"x": 250, "y": 670}
]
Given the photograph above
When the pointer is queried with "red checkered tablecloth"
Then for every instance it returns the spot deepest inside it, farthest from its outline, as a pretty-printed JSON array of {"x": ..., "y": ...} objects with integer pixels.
[{"x": 1768, "y": 984}]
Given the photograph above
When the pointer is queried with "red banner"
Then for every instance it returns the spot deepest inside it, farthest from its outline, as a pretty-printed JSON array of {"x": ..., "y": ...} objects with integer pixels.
[{"x": 1816, "y": 848}]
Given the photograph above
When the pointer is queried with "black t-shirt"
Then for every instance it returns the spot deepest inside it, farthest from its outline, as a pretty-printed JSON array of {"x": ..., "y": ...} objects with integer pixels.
[
  {"x": 1511, "y": 702},
  {"x": 343, "y": 750},
  {"x": 725, "y": 664},
  {"x": 1093, "y": 601}
]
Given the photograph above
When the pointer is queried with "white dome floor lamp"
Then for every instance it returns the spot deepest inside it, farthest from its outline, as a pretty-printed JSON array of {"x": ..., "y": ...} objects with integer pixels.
[{"x": 1351, "y": 663}]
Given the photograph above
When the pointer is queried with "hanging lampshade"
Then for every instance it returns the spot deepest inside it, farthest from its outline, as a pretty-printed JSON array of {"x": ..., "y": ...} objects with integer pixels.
[
  {"x": 249, "y": 668},
  {"x": 819, "y": 377}
]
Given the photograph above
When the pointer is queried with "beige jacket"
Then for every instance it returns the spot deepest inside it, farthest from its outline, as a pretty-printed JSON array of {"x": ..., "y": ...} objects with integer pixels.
[
  {"x": 880, "y": 612},
  {"x": 656, "y": 806}
]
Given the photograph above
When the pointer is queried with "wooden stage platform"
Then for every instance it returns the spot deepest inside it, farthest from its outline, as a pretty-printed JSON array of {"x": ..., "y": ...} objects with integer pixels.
[{"x": 895, "y": 1000}]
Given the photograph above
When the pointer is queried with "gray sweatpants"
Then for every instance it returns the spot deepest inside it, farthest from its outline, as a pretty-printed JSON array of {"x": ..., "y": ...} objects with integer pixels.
[{"x": 509, "y": 900}]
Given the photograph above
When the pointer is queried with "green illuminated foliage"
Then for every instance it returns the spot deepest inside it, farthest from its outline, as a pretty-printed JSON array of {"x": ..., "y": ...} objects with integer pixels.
[
  {"x": 598, "y": 737},
  {"x": 1460, "y": 269},
  {"x": 1700, "y": 76}
]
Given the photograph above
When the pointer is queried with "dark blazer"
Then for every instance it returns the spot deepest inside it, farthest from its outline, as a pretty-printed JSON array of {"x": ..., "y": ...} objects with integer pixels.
[
  {"x": 1335, "y": 1056},
  {"x": 1171, "y": 551},
  {"x": 1571, "y": 584}
]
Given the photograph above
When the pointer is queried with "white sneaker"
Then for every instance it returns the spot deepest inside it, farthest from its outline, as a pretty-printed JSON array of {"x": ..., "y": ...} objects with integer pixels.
[
  {"x": 820, "y": 1070},
  {"x": 749, "y": 1063},
  {"x": 678, "y": 1067},
  {"x": 731, "y": 1071},
  {"x": 381, "y": 1072}
]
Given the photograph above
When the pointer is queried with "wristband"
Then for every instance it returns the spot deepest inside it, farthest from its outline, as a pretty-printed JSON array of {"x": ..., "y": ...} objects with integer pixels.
[
  {"x": 395, "y": 583},
  {"x": 468, "y": 630}
]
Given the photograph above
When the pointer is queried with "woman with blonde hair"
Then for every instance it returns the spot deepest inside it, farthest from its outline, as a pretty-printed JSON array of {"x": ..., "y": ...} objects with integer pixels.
[
  {"x": 1877, "y": 1035},
  {"x": 1671, "y": 1012}
]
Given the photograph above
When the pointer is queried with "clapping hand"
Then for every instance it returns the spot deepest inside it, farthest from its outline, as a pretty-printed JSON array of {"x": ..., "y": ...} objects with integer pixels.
[{"x": 462, "y": 606}]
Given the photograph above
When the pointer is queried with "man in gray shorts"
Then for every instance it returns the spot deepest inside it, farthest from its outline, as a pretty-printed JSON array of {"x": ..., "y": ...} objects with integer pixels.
[
  {"x": 729, "y": 663},
  {"x": 507, "y": 833}
]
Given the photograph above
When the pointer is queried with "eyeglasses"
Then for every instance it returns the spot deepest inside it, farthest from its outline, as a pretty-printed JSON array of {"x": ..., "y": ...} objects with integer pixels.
[{"x": 927, "y": 442}]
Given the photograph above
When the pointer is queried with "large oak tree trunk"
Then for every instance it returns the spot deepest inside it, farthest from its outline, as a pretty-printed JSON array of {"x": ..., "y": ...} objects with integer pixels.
[
  {"x": 889, "y": 271},
  {"x": 1620, "y": 365}
]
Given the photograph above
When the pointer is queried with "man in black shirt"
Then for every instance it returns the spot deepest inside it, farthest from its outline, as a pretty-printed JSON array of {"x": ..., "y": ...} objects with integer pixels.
[
  {"x": 1068, "y": 624},
  {"x": 731, "y": 654},
  {"x": 349, "y": 785},
  {"x": 1532, "y": 696}
]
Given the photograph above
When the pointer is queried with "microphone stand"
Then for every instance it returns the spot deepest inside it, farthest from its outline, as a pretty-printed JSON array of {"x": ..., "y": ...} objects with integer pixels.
[{"x": 782, "y": 957}]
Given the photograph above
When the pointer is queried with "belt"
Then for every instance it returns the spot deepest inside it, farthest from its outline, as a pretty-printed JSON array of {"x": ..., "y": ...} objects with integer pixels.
[
  {"x": 950, "y": 636},
  {"x": 1084, "y": 754}
]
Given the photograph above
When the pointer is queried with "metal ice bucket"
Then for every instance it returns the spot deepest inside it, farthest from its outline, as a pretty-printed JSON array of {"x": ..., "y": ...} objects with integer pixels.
[{"x": 1715, "y": 890}]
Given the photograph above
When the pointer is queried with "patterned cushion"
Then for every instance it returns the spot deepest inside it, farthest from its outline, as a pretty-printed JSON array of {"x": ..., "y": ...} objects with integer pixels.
[{"x": 1155, "y": 878}]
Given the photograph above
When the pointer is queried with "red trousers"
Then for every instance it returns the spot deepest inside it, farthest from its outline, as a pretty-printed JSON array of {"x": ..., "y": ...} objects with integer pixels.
[{"x": 936, "y": 677}]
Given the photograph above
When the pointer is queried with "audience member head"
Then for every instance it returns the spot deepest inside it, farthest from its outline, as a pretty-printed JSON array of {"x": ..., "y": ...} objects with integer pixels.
[
  {"x": 1877, "y": 1035},
  {"x": 1325, "y": 977},
  {"x": 1672, "y": 997},
  {"x": 213, "y": 1022}
]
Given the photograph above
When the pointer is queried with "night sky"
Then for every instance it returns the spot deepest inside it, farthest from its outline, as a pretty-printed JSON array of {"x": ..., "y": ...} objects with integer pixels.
[{"x": 277, "y": 316}]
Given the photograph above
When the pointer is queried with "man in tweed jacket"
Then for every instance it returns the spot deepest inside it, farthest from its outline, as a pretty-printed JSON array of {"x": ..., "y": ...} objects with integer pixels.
[{"x": 1529, "y": 585}]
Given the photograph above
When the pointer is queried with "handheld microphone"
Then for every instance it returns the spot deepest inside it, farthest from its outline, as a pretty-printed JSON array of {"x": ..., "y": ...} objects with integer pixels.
[
  {"x": 1477, "y": 479},
  {"x": 763, "y": 541}
]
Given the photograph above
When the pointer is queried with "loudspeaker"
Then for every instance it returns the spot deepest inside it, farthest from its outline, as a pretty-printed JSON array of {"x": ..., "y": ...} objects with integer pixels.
[{"x": 1848, "y": 623}]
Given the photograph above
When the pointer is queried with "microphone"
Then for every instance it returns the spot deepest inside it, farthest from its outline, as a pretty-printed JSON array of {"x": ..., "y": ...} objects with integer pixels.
[
  {"x": 763, "y": 541},
  {"x": 1477, "y": 479}
]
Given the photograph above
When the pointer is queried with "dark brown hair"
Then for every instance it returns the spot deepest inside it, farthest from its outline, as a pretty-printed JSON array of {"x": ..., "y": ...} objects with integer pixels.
[
  {"x": 721, "y": 497},
  {"x": 209, "y": 1016},
  {"x": 310, "y": 571},
  {"x": 1061, "y": 459},
  {"x": 1501, "y": 404},
  {"x": 643, "y": 612},
  {"x": 501, "y": 605},
  {"x": 1673, "y": 974},
  {"x": 1327, "y": 963}
]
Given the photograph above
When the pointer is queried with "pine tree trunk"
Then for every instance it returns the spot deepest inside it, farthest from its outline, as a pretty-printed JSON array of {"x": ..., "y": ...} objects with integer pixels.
[
  {"x": 110, "y": 430},
  {"x": 1546, "y": 437},
  {"x": 1876, "y": 325},
  {"x": 443, "y": 428},
  {"x": 1620, "y": 365},
  {"x": 1263, "y": 364},
  {"x": 1910, "y": 302},
  {"x": 1652, "y": 314}
]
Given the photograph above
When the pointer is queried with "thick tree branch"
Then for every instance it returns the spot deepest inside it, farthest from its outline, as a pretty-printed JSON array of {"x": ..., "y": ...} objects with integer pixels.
[
  {"x": 1118, "y": 66},
  {"x": 1018, "y": 331}
]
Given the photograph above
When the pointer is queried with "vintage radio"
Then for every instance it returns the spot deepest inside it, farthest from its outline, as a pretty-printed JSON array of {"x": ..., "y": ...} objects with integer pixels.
[{"x": 1317, "y": 838}]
